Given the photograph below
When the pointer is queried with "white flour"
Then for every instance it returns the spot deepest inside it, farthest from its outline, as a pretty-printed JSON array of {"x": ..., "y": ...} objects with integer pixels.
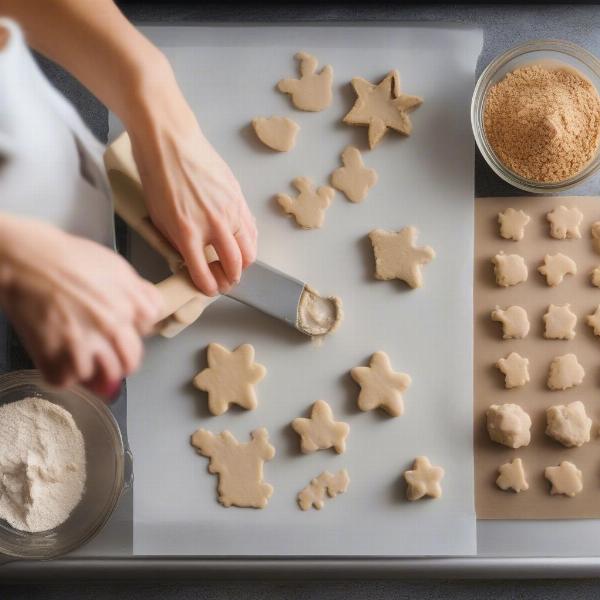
[{"x": 42, "y": 464}]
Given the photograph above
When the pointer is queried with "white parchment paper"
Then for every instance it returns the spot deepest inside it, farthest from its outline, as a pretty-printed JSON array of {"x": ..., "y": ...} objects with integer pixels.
[{"x": 228, "y": 74}]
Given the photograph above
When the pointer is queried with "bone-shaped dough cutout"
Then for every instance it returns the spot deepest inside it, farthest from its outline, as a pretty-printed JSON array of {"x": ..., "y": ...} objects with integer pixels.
[
  {"x": 325, "y": 485},
  {"x": 556, "y": 267},
  {"x": 565, "y": 222},
  {"x": 278, "y": 133},
  {"x": 512, "y": 224},
  {"x": 320, "y": 431},
  {"x": 565, "y": 479},
  {"x": 514, "y": 320},
  {"x": 309, "y": 206},
  {"x": 353, "y": 179},
  {"x": 423, "y": 480},
  {"x": 511, "y": 476}
]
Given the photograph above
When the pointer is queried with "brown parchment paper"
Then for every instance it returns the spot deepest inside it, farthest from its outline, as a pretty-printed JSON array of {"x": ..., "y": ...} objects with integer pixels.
[{"x": 534, "y": 295}]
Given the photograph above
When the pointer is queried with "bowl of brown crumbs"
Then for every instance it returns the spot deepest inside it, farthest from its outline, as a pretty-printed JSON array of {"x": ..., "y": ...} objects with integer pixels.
[{"x": 536, "y": 115}]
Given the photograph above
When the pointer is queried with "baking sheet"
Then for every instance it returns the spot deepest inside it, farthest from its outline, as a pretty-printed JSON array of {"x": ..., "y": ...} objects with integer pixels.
[
  {"x": 426, "y": 332},
  {"x": 534, "y": 295}
]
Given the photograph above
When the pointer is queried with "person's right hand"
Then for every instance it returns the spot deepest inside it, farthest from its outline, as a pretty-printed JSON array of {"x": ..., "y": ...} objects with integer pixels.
[{"x": 78, "y": 307}]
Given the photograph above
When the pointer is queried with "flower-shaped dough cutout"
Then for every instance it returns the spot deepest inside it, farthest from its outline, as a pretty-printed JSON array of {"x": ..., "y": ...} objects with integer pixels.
[
  {"x": 512, "y": 224},
  {"x": 565, "y": 222},
  {"x": 569, "y": 424},
  {"x": 566, "y": 479},
  {"x": 353, "y": 179},
  {"x": 397, "y": 257},
  {"x": 320, "y": 431},
  {"x": 511, "y": 476},
  {"x": 565, "y": 372},
  {"x": 326, "y": 484},
  {"x": 515, "y": 323},
  {"x": 230, "y": 378},
  {"x": 381, "y": 386},
  {"x": 423, "y": 480},
  {"x": 593, "y": 320},
  {"x": 312, "y": 92},
  {"x": 559, "y": 322},
  {"x": 515, "y": 369},
  {"x": 278, "y": 133},
  {"x": 381, "y": 106},
  {"x": 309, "y": 206},
  {"x": 509, "y": 269},
  {"x": 556, "y": 267},
  {"x": 509, "y": 425}
]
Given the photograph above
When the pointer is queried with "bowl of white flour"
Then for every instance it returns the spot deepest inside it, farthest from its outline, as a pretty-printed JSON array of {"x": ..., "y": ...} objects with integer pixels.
[{"x": 63, "y": 466}]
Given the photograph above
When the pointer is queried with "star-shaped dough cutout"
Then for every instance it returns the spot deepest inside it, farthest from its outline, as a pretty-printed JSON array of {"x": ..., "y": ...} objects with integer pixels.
[
  {"x": 556, "y": 267},
  {"x": 565, "y": 222},
  {"x": 381, "y": 106},
  {"x": 593, "y": 320},
  {"x": 511, "y": 476},
  {"x": 515, "y": 369},
  {"x": 230, "y": 378},
  {"x": 380, "y": 385},
  {"x": 308, "y": 208},
  {"x": 397, "y": 257},
  {"x": 320, "y": 431},
  {"x": 559, "y": 322},
  {"x": 566, "y": 479},
  {"x": 512, "y": 224},
  {"x": 353, "y": 179},
  {"x": 423, "y": 480}
]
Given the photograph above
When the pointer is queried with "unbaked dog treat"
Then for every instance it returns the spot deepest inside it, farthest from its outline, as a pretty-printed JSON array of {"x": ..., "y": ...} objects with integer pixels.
[
  {"x": 515, "y": 369},
  {"x": 239, "y": 466},
  {"x": 423, "y": 480},
  {"x": 556, "y": 267},
  {"x": 309, "y": 206},
  {"x": 320, "y": 431},
  {"x": 593, "y": 320},
  {"x": 397, "y": 257},
  {"x": 565, "y": 372},
  {"x": 566, "y": 479},
  {"x": 511, "y": 476},
  {"x": 509, "y": 269},
  {"x": 508, "y": 424},
  {"x": 569, "y": 424},
  {"x": 381, "y": 386},
  {"x": 515, "y": 323},
  {"x": 565, "y": 222},
  {"x": 353, "y": 179},
  {"x": 595, "y": 231},
  {"x": 595, "y": 277},
  {"x": 512, "y": 224},
  {"x": 230, "y": 378},
  {"x": 312, "y": 92},
  {"x": 278, "y": 133},
  {"x": 559, "y": 322},
  {"x": 381, "y": 106},
  {"x": 326, "y": 484}
]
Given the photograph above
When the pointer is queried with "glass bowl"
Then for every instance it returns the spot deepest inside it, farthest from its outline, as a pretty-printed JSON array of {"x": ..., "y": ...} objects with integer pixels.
[
  {"x": 109, "y": 469},
  {"x": 544, "y": 51}
]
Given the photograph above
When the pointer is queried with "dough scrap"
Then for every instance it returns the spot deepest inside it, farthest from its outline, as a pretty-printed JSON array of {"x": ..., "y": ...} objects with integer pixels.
[
  {"x": 423, "y": 480},
  {"x": 593, "y": 320},
  {"x": 278, "y": 133},
  {"x": 239, "y": 466},
  {"x": 381, "y": 386},
  {"x": 565, "y": 222},
  {"x": 381, "y": 106},
  {"x": 230, "y": 378},
  {"x": 326, "y": 484},
  {"x": 320, "y": 431},
  {"x": 515, "y": 323},
  {"x": 515, "y": 369},
  {"x": 566, "y": 479},
  {"x": 559, "y": 322},
  {"x": 312, "y": 92},
  {"x": 565, "y": 372},
  {"x": 595, "y": 277},
  {"x": 569, "y": 424},
  {"x": 556, "y": 267},
  {"x": 509, "y": 269},
  {"x": 512, "y": 224},
  {"x": 397, "y": 257},
  {"x": 353, "y": 179},
  {"x": 595, "y": 230},
  {"x": 309, "y": 206},
  {"x": 511, "y": 476},
  {"x": 508, "y": 424}
]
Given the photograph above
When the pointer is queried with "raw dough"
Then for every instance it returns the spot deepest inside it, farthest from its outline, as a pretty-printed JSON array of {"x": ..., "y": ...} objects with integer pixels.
[
  {"x": 320, "y": 431},
  {"x": 509, "y": 269},
  {"x": 595, "y": 229},
  {"x": 380, "y": 385},
  {"x": 423, "y": 480},
  {"x": 326, "y": 484},
  {"x": 312, "y": 92},
  {"x": 565, "y": 372},
  {"x": 397, "y": 257},
  {"x": 565, "y": 222},
  {"x": 555, "y": 267},
  {"x": 239, "y": 466},
  {"x": 353, "y": 179},
  {"x": 512, "y": 224},
  {"x": 595, "y": 277},
  {"x": 381, "y": 106},
  {"x": 565, "y": 479},
  {"x": 511, "y": 476},
  {"x": 515, "y": 323},
  {"x": 508, "y": 424},
  {"x": 230, "y": 378},
  {"x": 278, "y": 133},
  {"x": 515, "y": 369},
  {"x": 308, "y": 208},
  {"x": 318, "y": 316},
  {"x": 593, "y": 320},
  {"x": 559, "y": 322},
  {"x": 569, "y": 424}
]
